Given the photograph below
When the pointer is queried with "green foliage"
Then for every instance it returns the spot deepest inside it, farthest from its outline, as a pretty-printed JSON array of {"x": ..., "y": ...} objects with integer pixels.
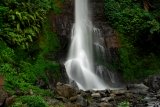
[
  {"x": 25, "y": 69},
  {"x": 129, "y": 18},
  {"x": 2, "y": 11},
  {"x": 124, "y": 104},
  {"x": 49, "y": 41},
  {"x": 30, "y": 101},
  {"x": 16, "y": 65},
  {"x": 21, "y": 26},
  {"x": 137, "y": 29},
  {"x": 21, "y": 20},
  {"x": 25, "y": 39}
]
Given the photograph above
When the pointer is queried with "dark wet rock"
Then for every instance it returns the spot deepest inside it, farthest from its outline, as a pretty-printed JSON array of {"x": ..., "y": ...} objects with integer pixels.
[
  {"x": 103, "y": 94},
  {"x": 63, "y": 99},
  {"x": 149, "y": 99},
  {"x": 154, "y": 104},
  {"x": 138, "y": 88},
  {"x": 81, "y": 101},
  {"x": 74, "y": 84},
  {"x": 153, "y": 82},
  {"x": 52, "y": 101},
  {"x": 94, "y": 104},
  {"x": 73, "y": 99},
  {"x": 63, "y": 78},
  {"x": 85, "y": 94},
  {"x": 158, "y": 96}
]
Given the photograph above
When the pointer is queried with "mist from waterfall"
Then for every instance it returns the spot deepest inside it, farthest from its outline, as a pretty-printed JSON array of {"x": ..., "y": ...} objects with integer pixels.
[{"x": 80, "y": 63}]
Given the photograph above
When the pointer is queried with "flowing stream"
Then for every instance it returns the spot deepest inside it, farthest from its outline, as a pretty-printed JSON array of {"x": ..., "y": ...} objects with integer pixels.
[{"x": 80, "y": 65}]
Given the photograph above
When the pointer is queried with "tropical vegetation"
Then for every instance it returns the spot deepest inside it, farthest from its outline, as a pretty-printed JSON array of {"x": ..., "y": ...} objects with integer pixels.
[
  {"x": 25, "y": 39},
  {"x": 137, "y": 23}
]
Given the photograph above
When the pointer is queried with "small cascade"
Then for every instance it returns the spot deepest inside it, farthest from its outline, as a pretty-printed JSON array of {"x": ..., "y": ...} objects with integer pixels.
[{"x": 109, "y": 77}]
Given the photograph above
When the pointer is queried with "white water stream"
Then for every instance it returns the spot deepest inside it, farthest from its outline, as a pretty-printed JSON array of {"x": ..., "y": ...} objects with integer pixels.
[{"x": 80, "y": 63}]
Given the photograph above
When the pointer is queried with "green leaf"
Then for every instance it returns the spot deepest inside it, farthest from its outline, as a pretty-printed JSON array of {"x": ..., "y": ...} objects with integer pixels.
[
  {"x": 18, "y": 27},
  {"x": 13, "y": 17},
  {"x": 19, "y": 15}
]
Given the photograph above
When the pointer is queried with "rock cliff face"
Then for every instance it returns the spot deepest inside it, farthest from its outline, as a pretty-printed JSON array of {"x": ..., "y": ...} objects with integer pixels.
[
  {"x": 109, "y": 36},
  {"x": 63, "y": 23}
]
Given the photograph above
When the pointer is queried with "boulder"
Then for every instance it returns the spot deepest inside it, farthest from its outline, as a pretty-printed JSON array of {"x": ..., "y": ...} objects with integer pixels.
[
  {"x": 107, "y": 99},
  {"x": 65, "y": 90},
  {"x": 94, "y": 104},
  {"x": 73, "y": 99},
  {"x": 103, "y": 104},
  {"x": 81, "y": 101},
  {"x": 96, "y": 95},
  {"x": 138, "y": 88},
  {"x": 119, "y": 92},
  {"x": 63, "y": 99},
  {"x": 153, "y": 82},
  {"x": 71, "y": 105}
]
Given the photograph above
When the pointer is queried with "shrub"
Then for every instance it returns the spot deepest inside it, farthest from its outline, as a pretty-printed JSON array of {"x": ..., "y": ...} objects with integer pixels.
[
  {"x": 124, "y": 104},
  {"x": 30, "y": 101}
]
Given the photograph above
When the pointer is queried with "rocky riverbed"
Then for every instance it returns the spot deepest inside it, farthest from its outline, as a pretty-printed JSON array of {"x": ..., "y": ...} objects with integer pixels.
[{"x": 146, "y": 94}]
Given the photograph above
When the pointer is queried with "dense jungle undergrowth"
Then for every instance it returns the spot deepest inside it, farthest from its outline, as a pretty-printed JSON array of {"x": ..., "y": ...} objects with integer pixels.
[
  {"x": 26, "y": 37},
  {"x": 137, "y": 23}
]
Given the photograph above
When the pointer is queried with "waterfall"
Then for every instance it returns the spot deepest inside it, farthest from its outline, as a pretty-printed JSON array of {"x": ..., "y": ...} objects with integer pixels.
[{"x": 80, "y": 61}]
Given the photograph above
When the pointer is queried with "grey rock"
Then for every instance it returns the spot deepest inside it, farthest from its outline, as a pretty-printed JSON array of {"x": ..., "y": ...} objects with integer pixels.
[
  {"x": 65, "y": 90},
  {"x": 59, "y": 84},
  {"x": 103, "y": 104},
  {"x": 153, "y": 82},
  {"x": 71, "y": 105},
  {"x": 119, "y": 92},
  {"x": 94, "y": 104},
  {"x": 107, "y": 99},
  {"x": 63, "y": 99},
  {"x": 138, "y": 88},
  {"x": 73, "y": 99},
  {"x": 96, "y": 95},
  {"x": 81, "y": 101},
  {"x": 103, "y": 94}
]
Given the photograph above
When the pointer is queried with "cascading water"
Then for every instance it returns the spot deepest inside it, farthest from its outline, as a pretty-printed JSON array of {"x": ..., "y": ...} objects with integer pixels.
[{"x": 79, "y": 65}]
